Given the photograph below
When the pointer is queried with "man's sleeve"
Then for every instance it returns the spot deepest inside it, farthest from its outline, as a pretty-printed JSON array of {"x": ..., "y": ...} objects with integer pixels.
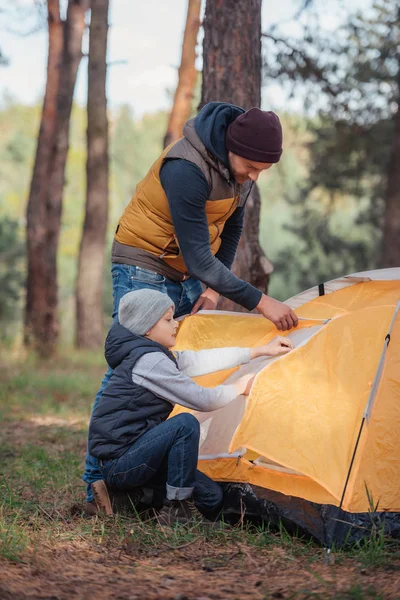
[
  {"x": 187, "y": 192},
  {"x": 230, "y": 237}
]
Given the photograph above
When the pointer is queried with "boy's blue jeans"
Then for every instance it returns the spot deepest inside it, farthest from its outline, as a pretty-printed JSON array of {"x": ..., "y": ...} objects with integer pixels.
[
  {"x": 127, "y": 278},
  {"x": 166, "y": 456}
]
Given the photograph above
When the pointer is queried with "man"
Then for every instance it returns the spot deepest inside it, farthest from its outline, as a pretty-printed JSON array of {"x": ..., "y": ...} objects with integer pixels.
[{"x": 183, "y": 225}]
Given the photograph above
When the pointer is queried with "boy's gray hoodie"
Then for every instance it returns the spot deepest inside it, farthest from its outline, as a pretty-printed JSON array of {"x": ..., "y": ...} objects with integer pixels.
[{"x": 146, "y": 383}]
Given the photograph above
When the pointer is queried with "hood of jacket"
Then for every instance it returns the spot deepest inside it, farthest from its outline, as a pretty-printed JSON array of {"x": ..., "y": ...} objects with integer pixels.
[
  {"x": 206, "y": 132},
  {"x": 120, "y": 342}
]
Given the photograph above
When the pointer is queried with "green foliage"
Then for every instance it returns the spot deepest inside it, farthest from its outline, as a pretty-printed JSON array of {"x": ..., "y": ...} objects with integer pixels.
[
  {"x": 321, "y": 205},
  {"x": 279, "y": 188},
  {"x": 17, "y": 143},
  {"x": 18, "y": 126},
  {"x": 134, "y": 145},
  {"x": 11, "y": 274},
  {"x": 350, "y": 85}
]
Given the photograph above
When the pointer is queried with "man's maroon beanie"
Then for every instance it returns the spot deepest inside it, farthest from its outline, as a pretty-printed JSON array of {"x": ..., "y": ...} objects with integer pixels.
[{"x": 256, "y": 135}]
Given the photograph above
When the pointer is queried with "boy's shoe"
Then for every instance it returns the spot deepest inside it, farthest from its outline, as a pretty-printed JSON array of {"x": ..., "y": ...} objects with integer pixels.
[
  {"x": 136, "y": 501},
  {"x": 101, "y": 497},
  {"x": 182, "y": 512}
]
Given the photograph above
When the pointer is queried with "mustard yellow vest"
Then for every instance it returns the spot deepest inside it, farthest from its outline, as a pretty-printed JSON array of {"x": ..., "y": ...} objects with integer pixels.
[{"x": 147, "y": 223}]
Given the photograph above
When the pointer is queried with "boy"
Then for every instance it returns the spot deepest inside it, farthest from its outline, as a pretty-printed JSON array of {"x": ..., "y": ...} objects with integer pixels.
[{"x": 129, "y": 432}]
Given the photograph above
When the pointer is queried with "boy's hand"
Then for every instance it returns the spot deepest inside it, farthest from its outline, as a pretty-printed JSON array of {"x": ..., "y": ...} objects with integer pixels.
[
  {"x": 244, "y": 383},
  {"x": 281, "y": 315},
  {"x": 277, "y": 347},
  {"x": 208, "y": 300}
]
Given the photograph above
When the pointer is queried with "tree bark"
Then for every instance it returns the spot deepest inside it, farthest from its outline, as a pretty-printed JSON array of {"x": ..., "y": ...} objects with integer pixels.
[
  {"x": 89, "y": 287},
  {"x": 187, "y": 75},
  {"x": 40, "y": 322},
  {"x": 391, "y": 226},
  {"x": 232, "y": 73},
  {"x": 250, "y": 263},
  {"x": 45, "y": 197},
  {"x": 232, "y": 52}
]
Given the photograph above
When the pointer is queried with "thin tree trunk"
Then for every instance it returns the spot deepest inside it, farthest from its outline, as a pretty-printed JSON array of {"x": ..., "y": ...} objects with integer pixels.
[
  {"x": 45, "y": 200},
  {"x": 187, "y": 75},
  {"x": 391, "y": 227},
  {"x": 89, "y": 288},
  {"x": 232, "y": 73},
  {"x": 40, "y": 320}
]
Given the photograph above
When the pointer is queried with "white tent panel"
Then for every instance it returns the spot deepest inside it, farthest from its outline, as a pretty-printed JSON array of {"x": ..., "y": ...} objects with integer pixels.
[{"x": 218, "y": 427}]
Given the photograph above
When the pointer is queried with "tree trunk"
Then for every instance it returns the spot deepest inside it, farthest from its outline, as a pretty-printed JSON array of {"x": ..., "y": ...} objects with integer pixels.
[
  {"x": 89, "y": 287},
  {"x": 250, "y": 263},
  {"x": 187, "y": 75},
  {"x": 232, "y": 73},
  {"x": 391, "y": 227},
  {"x": 45, "y": 198},
  {"x": 40, "y": 321},
  {"x": 232, "y": 52}
]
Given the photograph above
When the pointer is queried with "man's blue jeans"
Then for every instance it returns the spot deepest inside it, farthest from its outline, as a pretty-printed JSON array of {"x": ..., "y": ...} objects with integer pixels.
[
  {"x": 166, "y": 456},
  {"x": 127, "y": 278}
]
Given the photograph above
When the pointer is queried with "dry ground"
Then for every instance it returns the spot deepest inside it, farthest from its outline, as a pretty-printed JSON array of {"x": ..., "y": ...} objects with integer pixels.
[{"x": 47, "y": 553}]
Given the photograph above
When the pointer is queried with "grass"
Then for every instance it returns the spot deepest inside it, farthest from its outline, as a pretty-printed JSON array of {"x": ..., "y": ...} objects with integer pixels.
[
  {"x": 45, "y": 411},
  {"x": 13, "y": 537}
]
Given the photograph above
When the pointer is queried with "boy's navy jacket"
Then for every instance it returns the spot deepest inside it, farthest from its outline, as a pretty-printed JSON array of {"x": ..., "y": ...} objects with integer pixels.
[{"x": 125, "y": 410}]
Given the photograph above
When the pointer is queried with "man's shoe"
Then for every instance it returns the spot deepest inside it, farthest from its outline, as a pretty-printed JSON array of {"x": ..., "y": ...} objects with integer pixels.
[
  {"x": 101, "y": 497},
  {"x": 133, "y": 501},
  {"x": 88, "y": 509},
  {"x": 182, "y": 512}
]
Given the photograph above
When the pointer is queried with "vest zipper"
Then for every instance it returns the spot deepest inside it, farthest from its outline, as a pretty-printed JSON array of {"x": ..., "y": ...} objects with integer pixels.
[{"x": 218, "y": 233}]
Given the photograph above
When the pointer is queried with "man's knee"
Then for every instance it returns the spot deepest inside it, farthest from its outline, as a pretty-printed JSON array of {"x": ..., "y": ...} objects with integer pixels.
[
  {"x": 215, "y": 496},
  {"x": 208, "y": 498}
]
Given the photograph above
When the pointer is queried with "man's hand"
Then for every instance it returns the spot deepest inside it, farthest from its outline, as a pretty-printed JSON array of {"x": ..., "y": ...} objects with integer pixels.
[
  {"x": 243, "y": 384},
  {"x": 281, "y": 315},
  {"x": 208, "y": 300},
  {"x": 277, "y": 347}
]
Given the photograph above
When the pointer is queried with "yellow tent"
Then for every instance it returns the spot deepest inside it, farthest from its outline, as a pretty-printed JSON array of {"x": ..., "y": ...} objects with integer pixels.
[{"x": 323, "y": 422}]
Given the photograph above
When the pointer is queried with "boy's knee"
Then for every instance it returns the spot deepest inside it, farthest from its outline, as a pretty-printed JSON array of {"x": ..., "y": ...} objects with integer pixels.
[{"x": 188, "y": 422}]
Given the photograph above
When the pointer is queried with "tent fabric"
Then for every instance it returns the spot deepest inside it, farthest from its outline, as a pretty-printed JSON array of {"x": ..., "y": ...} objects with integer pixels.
[
  {"x": 346, "y": 281},
  {"x": 297, "y": 430}
]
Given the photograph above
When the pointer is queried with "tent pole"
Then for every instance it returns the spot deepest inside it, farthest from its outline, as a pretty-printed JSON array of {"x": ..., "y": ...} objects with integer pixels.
[
  {"x": 332, "y": 537},
  {"x": 351, "y": 463},
  {"x": 378, "y": 374}
]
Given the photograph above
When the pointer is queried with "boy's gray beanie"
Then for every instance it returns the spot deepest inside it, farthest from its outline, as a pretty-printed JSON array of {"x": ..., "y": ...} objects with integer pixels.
[{"x": 140, "y": 310}]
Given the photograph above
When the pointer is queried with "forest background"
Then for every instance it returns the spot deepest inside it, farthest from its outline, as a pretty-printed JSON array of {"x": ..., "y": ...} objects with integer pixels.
[
  {"x": 331, "y": 70},
  {"x": 323, "y": 205}
]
